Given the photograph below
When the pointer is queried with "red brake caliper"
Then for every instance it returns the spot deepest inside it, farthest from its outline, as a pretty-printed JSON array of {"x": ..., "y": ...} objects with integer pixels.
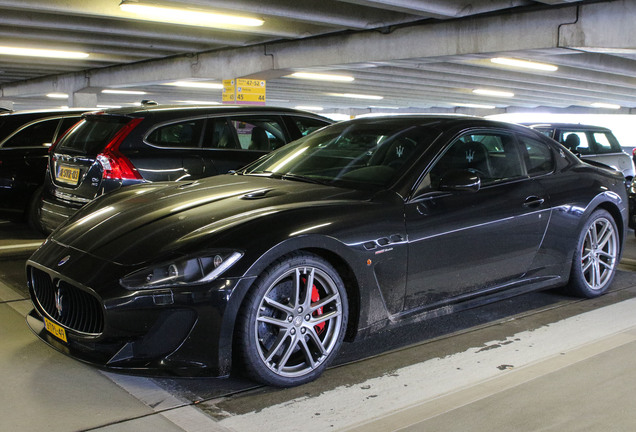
[{"x": 315, "y": 296}]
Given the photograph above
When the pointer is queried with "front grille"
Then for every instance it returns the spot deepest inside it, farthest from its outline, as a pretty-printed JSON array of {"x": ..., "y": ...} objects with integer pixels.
[{"x": 67, "y": 305}]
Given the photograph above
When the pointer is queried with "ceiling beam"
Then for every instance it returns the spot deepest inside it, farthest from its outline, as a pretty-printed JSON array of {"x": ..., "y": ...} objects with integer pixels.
[{"x": 546, "y": 29}]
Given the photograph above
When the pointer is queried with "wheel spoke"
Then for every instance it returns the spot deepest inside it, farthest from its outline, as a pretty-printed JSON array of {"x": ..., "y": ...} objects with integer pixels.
[
  {"x": 605, "y": 235},
  {"x": 596, "y": 280},
  {"x": 280, "y": 339},
  {"x": 297, "y": 287},
  {"x": 323, "y": 302},
  {"x": 316, "y": 340},
  {"x": 287, "y": 354},
  {"x": 325, "y": 317},
  {"x": 307, "y": 352},
  {"x": 309, "y": 287},
  {"x": 273, "y": 321},
  {"x": 279, "y": 306},
  {"x": 593, "y": 235},
  {"x": 589, "y": 238},
  {"x": 586, "y": 262}
]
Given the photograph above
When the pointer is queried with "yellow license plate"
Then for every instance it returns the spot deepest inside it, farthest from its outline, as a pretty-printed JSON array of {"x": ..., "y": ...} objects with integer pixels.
[
  {"x": 55, "y": 329},
  {"x": 68, "y": 174}
]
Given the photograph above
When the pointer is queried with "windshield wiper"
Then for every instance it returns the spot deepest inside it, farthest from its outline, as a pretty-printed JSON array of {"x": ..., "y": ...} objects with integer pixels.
[{"x": 301, "y": 178}]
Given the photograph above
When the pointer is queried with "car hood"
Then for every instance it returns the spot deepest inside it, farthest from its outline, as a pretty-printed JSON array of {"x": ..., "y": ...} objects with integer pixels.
[{"x": 143, "y": 223}]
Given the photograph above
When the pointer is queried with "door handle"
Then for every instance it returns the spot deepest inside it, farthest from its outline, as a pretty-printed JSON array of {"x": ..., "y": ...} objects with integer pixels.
[{"x": 533, "y": 201}]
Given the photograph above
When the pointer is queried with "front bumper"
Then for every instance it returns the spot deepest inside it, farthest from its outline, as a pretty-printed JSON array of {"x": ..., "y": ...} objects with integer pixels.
[{"x": 185, "y": 331}]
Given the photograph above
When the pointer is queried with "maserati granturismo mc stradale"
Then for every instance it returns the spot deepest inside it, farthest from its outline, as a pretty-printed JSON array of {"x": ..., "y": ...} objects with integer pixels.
[{"x": 359, "y": 226}]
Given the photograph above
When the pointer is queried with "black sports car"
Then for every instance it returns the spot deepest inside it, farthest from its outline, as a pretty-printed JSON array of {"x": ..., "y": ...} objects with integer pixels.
[{"x": 359, "y": 226}]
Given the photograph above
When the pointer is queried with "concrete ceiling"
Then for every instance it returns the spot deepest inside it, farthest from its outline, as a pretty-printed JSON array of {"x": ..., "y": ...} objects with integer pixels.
[{"x": 419, "y": 55}]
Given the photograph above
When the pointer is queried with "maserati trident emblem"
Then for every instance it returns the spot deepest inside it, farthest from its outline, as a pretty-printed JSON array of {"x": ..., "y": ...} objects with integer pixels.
[
  {"x": 470, "y": 155},
  {"x": 59, "y": 297},
  {"x": 399, "y": 151},
  {"x": 64, "y": 260}
]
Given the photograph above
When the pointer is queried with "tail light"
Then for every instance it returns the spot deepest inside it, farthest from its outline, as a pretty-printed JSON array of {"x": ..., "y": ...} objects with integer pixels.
[{"x": 114, "y": 164}]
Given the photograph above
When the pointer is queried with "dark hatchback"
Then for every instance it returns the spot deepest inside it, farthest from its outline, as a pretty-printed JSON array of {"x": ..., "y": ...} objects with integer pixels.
[
  {"x": 357, "y": 227},
  {"x": 121, "y": 147},
  {"x": 25, "y": 140}
]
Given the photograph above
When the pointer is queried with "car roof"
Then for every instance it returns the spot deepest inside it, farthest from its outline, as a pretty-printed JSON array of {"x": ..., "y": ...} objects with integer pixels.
[
  {"x": 446, "y": 120},
  {"x": 204, "y": 109},
  {"x": 566, "y": 126},
  {"x": 44, "y": 113}
]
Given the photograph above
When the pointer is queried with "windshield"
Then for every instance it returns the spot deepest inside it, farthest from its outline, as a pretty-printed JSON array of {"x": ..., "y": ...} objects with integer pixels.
[
  {"x": 92, "y": 134},
  {"x": 368, "y": 154}
]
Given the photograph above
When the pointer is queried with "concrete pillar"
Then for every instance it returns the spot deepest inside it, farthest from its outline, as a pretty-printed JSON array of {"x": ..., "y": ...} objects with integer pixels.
[
  {"x": 6, "y": 104},
  {"x": 82, "y": 100}
]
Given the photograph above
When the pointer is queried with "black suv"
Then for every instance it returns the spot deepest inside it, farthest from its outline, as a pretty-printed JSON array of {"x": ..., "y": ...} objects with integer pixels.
[
  {"x": 119, "y": 147},
  {"x": 25, "y": 139}
]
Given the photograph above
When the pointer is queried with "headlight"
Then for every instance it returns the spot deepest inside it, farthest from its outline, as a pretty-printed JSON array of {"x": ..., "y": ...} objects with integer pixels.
[{"x": 186, "y": 271}]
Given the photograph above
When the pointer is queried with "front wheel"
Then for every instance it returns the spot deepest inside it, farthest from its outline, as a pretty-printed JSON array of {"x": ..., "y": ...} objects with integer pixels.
[
  {"x": 293, "y": 321},
  {"x": 596, "y": 256}
]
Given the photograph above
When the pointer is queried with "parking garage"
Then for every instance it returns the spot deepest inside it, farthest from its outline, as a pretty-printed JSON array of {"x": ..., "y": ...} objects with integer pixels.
[{"x": 537, "y": 361}]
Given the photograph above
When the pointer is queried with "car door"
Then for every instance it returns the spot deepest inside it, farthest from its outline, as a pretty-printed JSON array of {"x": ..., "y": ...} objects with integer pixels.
[
  {"x": 23, "y": 159},
  {"x": 233, "y": 142},
  {"x": 465, "y": 242},
  {"x": 173, "y": 152}
]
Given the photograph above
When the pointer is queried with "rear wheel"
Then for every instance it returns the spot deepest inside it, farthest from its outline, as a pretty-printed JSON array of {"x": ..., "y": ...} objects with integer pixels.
[
  {"x": 293, "y": 322},
  {"x": 596, "y": 256},
  {"x": 33, "y": 210}
]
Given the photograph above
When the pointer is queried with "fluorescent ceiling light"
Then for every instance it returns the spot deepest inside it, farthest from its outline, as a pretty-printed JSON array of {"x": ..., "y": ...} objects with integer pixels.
[
  {"x": 321, "y": 77},
  {"x": 108, "y": 106},
  {"x": 498, "y": 93},
  {"x": 57, "y": 95},
  {"x": 197, "y": 84},
  {"x": 384, "y": 107},
  {"x": 605, "y": 105},
  {"x": 356, "y": 96},
  {"x": 191, "y": 17},
  {"x": 123, "y": 92},
  {"x": 33, "y": 52},
  {"x": 471, "y": 105},
  {"x": 309, "y": 108},
  {"x": 524, "y": 64}
]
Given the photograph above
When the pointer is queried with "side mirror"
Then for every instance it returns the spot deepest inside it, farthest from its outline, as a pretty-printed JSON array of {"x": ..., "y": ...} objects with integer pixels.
[{"x": 459, "y": 181}]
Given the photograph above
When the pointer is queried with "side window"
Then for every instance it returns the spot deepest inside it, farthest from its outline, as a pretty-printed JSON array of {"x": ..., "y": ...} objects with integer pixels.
[
  {"x": 492, "y": 156},
  {"x": 186, "y": 134},
  {"x": 606, "y": 143},
  {"x": 67, "y": 123},
  {"x": 576, "y": 142},
  {"x": 35, "y": 135},
  {"x": 263, "y": 134},
  {"x": 308, "y": 125},
  {"x": 538, "y": 157},
  {"x": 547, "y": 132}
]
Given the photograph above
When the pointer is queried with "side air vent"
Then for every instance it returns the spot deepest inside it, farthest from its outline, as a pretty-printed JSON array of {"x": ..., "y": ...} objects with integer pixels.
[{"x": 256, "y": 194}]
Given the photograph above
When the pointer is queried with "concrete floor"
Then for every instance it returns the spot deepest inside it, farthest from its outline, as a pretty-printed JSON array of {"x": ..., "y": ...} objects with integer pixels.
[{"x": 540, "y": 362}]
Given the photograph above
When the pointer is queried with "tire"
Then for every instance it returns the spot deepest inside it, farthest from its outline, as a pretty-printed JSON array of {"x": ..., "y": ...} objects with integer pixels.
[
  {"x": 293, "y": 321},
  {"x": 595, "y": 257},
  {"x": 33, "y": 211}
]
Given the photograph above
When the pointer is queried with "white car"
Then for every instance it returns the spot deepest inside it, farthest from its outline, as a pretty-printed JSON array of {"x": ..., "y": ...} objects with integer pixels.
[{"x": 590, "y": 143}]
